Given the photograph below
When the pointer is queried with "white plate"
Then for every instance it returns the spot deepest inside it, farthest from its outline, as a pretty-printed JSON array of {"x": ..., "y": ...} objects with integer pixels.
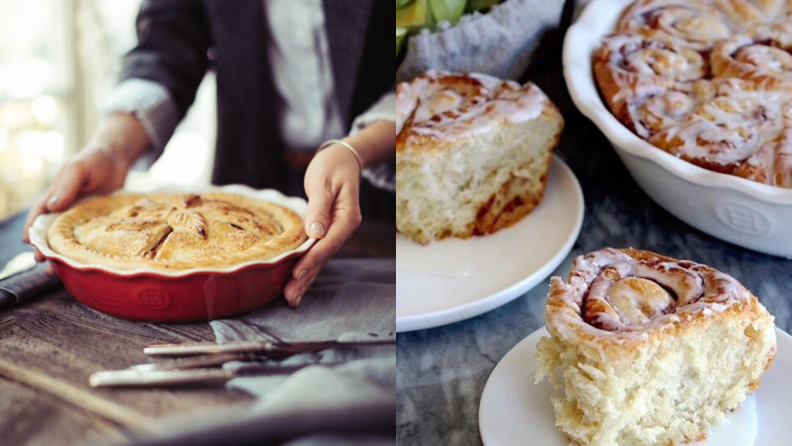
[
  {"x": 514, "y": 409},
  {"x": 452, "y": 280}
]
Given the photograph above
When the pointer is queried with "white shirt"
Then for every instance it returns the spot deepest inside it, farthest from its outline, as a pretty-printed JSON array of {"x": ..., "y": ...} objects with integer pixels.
[{"x": 299, "y": 57}]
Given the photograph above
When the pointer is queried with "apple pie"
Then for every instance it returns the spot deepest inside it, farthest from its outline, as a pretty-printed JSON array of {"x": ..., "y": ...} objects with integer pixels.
[{"x": 175, "y": 231}]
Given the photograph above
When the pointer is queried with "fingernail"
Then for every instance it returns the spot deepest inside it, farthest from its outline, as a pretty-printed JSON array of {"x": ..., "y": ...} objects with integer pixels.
[
  {"x": 297, "y": 299},
  {"x": 52, "y": 201},
  {"x": 318, "y": 228},
  {"x": 301, "y": 274}
]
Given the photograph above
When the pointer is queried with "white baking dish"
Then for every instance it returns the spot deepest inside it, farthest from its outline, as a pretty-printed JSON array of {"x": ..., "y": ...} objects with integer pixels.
[{"x": 740, "y": 211}]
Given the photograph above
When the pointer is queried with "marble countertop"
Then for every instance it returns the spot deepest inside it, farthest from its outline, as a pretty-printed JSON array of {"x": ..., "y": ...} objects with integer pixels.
[{"x": 441, "y": 372}]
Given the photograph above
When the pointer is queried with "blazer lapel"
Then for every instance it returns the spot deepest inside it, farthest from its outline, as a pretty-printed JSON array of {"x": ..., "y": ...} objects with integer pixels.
[
  {"x": 347, "y": 23},
  {"x": 240, "y": 35},
  {"x": 248, "y": 134}
]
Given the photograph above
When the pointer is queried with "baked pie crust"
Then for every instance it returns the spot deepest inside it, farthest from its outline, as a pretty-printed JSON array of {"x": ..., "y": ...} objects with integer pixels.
[{"x": 175, "y": 231}]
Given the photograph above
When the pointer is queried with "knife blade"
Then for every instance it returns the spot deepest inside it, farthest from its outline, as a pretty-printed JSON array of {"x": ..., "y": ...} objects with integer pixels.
[
  {"x": 159, "y": 378},
  {"x": 261, "y": 347},
  {"x": 20, "y": 263},
  {"x": 195, "y": 362}
]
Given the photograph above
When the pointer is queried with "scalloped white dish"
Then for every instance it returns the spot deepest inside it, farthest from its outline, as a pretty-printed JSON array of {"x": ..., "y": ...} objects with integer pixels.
[{"x": 749, "y": 214}]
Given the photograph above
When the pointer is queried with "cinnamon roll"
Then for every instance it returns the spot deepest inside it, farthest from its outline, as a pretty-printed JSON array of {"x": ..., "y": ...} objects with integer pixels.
[
  {"x": 651, "y": 350},
  {"x": 722, "y": 133},
  {"x": 705, "y": 80},
  {"x": 648, "y": 83},
  {"x": 472, "y": 154},
  {"x": 749, "y": 13},
  {"x": 762, "y": 56},
  {"x": 772, "y": 164},
  {"x": 692, "y": 23}
]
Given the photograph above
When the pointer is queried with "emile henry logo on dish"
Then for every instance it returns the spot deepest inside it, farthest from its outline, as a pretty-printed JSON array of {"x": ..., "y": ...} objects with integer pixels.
[
  {"x": 154, "y": 299},
  {"x": 742, "y": 218}
]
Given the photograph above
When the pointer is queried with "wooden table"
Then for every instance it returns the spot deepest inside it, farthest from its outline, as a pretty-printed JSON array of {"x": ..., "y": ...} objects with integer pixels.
[{"x": 49, "y": 348}]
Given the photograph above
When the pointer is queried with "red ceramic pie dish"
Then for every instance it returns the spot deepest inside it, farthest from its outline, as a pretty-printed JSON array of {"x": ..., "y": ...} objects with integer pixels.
[{"x": 196, "y": 295}]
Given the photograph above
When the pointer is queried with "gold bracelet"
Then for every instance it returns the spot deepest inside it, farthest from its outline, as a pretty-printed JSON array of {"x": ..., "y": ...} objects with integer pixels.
[{"x": 348, "y": 146}]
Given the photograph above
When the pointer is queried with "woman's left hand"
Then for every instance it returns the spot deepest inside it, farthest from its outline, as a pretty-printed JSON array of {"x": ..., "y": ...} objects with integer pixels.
[{"x": 332, "y": 183}]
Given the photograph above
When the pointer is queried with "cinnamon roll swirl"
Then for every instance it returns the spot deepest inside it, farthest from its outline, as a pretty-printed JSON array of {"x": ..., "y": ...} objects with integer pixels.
[
  {"x": 772, "y": 164},
  {"x": 648, "y": 83},
  {"x": 691, "y": 23},
  {"x": 748, "y": 13},
  {"x": 652, "y": 350},
  {"x": 722, "y": 133},
  {"x": 762, "y": 56}
]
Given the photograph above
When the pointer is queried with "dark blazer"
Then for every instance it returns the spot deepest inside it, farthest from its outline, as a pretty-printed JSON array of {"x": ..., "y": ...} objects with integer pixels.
[{"x": 178, "y": 40}]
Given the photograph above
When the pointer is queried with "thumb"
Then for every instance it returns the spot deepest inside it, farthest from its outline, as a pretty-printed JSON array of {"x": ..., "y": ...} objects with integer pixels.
[
  {"x": 317, "y": 218},
  {"x": 67, "y": 186}
]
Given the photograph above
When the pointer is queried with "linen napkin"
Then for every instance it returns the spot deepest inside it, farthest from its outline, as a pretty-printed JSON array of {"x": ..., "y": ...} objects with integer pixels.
[
  {"x": 352, "y": 299},
  {"x": 351, "y": 404},
  {"x": 500, "y": 42}
]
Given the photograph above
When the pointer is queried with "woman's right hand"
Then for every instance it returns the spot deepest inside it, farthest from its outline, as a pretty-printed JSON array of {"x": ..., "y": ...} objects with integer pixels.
[{"x": 100, "y": 167}]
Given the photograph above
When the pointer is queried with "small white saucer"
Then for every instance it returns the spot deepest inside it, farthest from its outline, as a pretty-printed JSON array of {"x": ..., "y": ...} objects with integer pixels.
[
  {"x": 452, "y": 280},
  {"x": 514, "y": 409}
]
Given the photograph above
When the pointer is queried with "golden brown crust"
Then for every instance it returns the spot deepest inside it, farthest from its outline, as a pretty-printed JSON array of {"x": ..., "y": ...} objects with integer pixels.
[{"x": 175, "y": 231}]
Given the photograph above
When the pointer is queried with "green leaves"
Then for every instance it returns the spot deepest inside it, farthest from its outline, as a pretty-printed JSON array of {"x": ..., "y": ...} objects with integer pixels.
[
  {"x": 414, "y": 15},
  {"x": 478, "y": 5},
  {"x": 401, "y": 34},
  {"x": 447, "y": 10}
]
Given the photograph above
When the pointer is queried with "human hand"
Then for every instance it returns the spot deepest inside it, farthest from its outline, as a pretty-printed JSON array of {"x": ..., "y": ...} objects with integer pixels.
[
  {"x": 100, "y": 167},
  {"x": 332, "y": 183}
]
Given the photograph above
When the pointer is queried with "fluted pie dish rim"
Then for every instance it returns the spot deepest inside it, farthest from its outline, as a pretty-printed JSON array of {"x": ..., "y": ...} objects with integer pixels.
[
  {"x": 581, "y": 43},
  {"x": 39, "y": 237}
]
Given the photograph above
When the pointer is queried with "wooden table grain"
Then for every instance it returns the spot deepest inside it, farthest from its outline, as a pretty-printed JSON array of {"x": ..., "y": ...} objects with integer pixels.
[{"x": 49, "y": 348}]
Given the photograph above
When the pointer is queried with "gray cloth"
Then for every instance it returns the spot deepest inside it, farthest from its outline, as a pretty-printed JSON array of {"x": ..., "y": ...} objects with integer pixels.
[
  {"x": 350, "y": 300},
  {"x": 500, "y": 42}
]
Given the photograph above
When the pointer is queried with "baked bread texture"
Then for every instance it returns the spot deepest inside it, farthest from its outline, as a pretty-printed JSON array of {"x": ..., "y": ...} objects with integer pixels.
[
  {"x": 647, "y": 350},
  {"x": 472, "y": 154},
  {"x": 708, "y": 81}
]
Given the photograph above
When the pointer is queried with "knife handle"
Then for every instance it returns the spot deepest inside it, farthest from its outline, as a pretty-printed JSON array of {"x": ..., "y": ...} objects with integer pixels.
[{"x": 26, "y": 286}]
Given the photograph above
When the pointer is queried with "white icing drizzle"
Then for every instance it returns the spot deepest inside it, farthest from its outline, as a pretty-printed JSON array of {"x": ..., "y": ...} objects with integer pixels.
[
  {"x": 761, "y": 55},
  {"x": 625, "y": 294},
  {"x": 446, "y": 106},
  {"x": 709, "y": 81}
]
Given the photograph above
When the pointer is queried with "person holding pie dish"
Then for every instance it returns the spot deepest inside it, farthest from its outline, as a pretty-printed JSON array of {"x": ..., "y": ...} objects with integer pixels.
[{"x": 291, "y": 75}]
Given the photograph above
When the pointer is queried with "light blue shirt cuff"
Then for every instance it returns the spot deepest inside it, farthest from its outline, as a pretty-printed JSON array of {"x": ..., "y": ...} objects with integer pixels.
[
  {"x": 152, "y": 104},
  {"x": 382, "y": 176}
]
